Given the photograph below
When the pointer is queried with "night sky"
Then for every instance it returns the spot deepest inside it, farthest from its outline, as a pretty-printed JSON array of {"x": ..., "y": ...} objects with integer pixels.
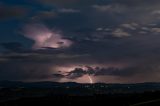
[{"x": 85, "y": 41}]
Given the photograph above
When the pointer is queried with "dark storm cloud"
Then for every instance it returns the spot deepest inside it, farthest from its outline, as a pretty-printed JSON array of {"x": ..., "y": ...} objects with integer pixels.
[
  {"x": 44, "y": 15},
  {"x": 103, "y": 32},
  {"x": 35, "y": 62},
  {"x": 99, "y": 71},
  {"x": 76, "y": 73},
  {"x": 135, "y": 2},
  {"x": 35, "y": 66},
  {"x": 119, "y": 50},
  {"x": 141, "y": 72},
  {"x": 23, "y": 71},
  {"x": 10, "y": 12},
  {"x": 125, "y": 8},
  {"x": 58, "y": 76},
  {"x": 109, "y": 14},
  {"x": 64, "y": 3},
  {"x": 53, "y": 14},
  {"x": 13, "y": 46}
]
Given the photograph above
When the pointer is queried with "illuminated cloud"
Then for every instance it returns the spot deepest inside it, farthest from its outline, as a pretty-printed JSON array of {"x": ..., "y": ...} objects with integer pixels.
[
  {"x": 44, "y": 37},
  {"x": 132, "y": 26},
  {"x": 155, "y": 12},
  {"x": 155, "y": 30},
  {"x": 119, "y": 33},
  {"x": 77, "y": 71}
]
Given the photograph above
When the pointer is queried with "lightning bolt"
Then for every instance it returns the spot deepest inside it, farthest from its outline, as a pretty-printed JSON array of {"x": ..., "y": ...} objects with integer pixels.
[{"x": 90, "y": 79}]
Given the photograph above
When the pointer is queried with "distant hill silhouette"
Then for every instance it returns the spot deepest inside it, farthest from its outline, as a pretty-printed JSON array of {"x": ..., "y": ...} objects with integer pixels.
[{"x": 47, "y": 84}]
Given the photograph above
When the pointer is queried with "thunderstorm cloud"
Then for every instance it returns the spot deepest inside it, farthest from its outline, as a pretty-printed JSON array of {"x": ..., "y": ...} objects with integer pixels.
[{"x": 111, "y": 41}]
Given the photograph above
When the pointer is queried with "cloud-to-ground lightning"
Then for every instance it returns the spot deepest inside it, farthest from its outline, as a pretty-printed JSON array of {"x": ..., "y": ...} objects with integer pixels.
[{"x": 90, "y": 79}]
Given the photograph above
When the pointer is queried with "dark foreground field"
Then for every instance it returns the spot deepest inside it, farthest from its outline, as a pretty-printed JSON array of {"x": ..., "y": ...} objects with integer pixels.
[
  {"x": 141, "y": 99},
  {"x": 56, "y": 94}
]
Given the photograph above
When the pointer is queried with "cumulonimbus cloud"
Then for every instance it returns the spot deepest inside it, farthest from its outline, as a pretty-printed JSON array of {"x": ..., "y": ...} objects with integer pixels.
[
  {"x": 44, "y": 37},
  {"x": 93, "y": 71}
]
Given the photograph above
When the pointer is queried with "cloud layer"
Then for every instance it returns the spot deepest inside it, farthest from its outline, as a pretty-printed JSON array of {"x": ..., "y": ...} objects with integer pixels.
[{"x": 113, "y": 41}]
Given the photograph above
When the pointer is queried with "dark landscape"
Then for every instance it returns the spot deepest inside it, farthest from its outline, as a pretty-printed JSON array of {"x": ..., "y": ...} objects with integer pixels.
[{"x": 51, "y": 93}]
